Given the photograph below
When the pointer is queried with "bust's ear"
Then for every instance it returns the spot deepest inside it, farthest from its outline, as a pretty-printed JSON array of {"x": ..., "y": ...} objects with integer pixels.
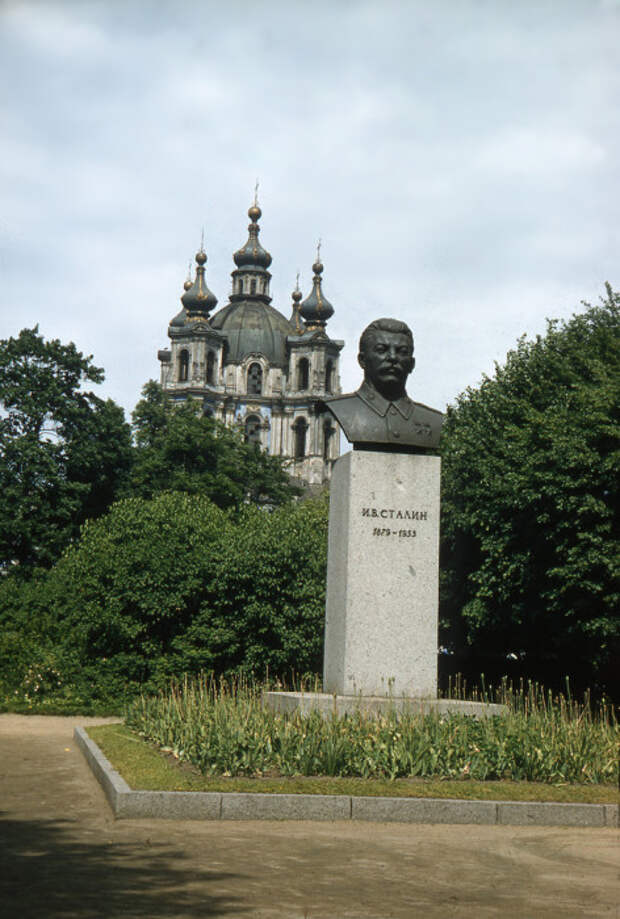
[{"x": 360, "y": 360}]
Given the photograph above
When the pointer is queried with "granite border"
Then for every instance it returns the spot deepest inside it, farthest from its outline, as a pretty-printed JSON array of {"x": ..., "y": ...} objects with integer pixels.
[{"x": 204, "y": 805}]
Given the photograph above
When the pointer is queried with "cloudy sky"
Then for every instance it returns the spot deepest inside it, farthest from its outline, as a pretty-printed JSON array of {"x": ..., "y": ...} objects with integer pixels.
[{"x": 459, "y": 160}]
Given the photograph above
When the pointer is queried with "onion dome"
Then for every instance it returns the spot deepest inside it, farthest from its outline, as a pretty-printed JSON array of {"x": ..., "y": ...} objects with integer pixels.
[
  {"x": 252, "y": 255},
  {"x": 198, "y": 300},
  {"x": 181, "y": 317},
  {"x": 316, "y": 309}
]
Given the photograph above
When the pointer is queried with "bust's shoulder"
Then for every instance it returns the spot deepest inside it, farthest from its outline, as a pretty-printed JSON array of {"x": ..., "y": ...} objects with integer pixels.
[
  {"x": 348, "y": 410},
  {"x": 344, "y": 399},
  {"x": 426, "y": 412},
  {"x": 344, "y": 404}
]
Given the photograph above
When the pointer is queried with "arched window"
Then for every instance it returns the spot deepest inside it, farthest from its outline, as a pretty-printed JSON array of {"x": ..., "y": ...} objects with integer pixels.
[
  {"x": 210, "y": 367},
  {"x": 329, "y": 373},
  {"x": 253, "y": 286},
  {"x": 303, "y": 374},
  {"x": 300, "y": 427},
  {"x": 240, "y": 285},
  {"x": 255, "y": 379},
  {"x": 183, "y": 366},
  {"x": 252, "y": 429},
  {"x": 328, "y": 431}
]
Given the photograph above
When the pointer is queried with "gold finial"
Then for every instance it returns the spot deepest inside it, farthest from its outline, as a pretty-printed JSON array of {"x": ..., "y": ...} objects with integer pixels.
[
  {"x": 201, "y": 255},
  {"x": 318, "y": 266},
  {"x": 254, "y": 212},
  {"x": 188, "y": 280},
  {"x": 296, "y": 298}
]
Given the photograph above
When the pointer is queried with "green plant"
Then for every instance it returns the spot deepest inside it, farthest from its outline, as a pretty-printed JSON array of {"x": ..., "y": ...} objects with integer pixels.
[
  {"x": 224, "y": 729},
  {"x": 172, "y": 585},
  {"x": 530, "y": 472},
  {"x": 64, "y": 452}
]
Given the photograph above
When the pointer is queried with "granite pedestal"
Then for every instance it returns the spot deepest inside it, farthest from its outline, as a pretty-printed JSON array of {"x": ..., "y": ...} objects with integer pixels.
[{"x": 383, "y": 576}]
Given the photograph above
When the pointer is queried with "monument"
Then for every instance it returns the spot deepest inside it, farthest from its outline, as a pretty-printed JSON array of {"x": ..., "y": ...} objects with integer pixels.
[
  {"x": 383, "y": 555},
  {"x": 381, "y": 620}
]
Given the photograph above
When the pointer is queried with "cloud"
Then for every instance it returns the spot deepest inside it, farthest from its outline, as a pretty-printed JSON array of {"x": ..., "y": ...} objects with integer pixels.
[
  {"x": 457, "y": 159},
  {"x": 536, "y": 152}
]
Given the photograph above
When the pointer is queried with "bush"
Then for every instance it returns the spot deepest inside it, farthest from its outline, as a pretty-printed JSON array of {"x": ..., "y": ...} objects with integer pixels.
[
  {"x": 271, "y": 591},
  {"x": 166, "y": 586}
]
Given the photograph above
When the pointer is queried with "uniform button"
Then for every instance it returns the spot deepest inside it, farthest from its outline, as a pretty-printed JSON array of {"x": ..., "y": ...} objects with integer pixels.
[{"x": 396, "y": 433}]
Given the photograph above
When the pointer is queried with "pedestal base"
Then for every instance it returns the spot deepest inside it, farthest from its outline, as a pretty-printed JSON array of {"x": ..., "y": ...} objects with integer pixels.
[{"x": 327, "y": 705}]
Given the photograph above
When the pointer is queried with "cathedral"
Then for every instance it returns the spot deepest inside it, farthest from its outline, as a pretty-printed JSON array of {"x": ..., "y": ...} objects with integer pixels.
[{"x": 252, "y": 367}]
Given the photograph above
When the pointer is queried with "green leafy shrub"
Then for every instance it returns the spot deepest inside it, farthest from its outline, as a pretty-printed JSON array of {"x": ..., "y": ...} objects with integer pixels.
[
  {"x": 271, "y": 586},
  {"x": 166, "y": 586}
]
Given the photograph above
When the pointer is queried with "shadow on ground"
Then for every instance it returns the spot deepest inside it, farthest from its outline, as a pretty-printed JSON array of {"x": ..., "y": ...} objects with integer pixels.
[{"x": 46, "y": 871}]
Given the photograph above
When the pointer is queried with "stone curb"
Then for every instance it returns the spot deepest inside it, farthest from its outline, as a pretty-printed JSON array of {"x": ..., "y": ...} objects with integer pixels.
[{"x": 205, "y": 805}]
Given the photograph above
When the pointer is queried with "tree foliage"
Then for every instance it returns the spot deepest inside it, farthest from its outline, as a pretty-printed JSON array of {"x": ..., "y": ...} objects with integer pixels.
[
  {"x": 178, "y": 448},
  {"x": 171, "y": 585},
  {"x": 530, "y": 502},
  {"x": 64, "y": 452}
]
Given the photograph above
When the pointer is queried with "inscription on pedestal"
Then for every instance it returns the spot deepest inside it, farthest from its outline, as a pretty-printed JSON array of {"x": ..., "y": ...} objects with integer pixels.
[
  {"x": 391, "y": 513},
  {"x": 394, "y": 514}
]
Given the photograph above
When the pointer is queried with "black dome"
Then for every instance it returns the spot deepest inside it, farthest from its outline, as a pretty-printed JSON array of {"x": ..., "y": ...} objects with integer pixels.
[{"x": 252, "y": 327}]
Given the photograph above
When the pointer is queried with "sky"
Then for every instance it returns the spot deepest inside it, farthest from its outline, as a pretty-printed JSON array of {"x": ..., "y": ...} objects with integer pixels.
[{"x": 458, "y": 159}]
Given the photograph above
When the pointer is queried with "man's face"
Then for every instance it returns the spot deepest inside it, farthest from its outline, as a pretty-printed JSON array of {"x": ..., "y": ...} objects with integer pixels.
[{"x": 387, "y": 359}]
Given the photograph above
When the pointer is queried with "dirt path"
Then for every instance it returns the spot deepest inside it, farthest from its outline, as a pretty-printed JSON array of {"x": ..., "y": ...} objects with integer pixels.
[{"x": 62, "y": 854}]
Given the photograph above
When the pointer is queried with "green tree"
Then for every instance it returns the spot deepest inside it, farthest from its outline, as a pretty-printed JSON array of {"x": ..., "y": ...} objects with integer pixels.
[
  {"x": 179, "y": 448},
  {"x": 64, "y": 452},
  {"x": 530, "y": 503}
]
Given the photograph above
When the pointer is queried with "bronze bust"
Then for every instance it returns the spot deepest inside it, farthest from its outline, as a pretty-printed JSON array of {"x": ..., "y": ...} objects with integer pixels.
[{"x": 380, "y": 414}]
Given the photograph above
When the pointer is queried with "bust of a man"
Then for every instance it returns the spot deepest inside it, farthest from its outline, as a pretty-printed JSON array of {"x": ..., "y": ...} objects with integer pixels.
[{"x": 380, "y": 412}]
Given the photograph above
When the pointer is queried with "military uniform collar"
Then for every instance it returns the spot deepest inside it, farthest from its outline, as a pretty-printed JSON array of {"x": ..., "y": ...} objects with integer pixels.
[{"x": 378, "y": 404}]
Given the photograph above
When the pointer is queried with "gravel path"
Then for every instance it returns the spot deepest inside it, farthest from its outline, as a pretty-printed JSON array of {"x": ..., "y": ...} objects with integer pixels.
[{"x": 62, "y": 854}]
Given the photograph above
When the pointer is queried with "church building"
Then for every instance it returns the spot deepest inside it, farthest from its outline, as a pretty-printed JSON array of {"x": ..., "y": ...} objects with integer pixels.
[{"x": 254, "y": 368}]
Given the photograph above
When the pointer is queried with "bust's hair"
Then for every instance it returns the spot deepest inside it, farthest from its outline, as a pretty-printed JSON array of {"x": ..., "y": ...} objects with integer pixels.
[{"x": 385, "y": 325}]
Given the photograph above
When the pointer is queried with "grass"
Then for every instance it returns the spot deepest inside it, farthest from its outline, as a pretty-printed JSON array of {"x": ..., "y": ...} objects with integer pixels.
[{"x": 144, "y": 767}]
